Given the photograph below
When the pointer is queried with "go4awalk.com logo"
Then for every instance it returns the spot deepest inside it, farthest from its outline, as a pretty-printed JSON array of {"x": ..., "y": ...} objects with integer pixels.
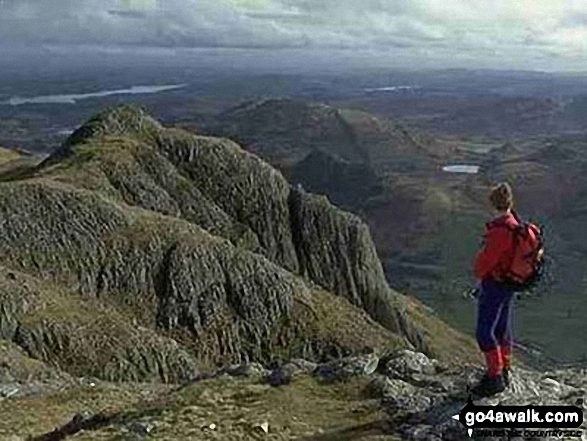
[{"x": 522, "y": 421}]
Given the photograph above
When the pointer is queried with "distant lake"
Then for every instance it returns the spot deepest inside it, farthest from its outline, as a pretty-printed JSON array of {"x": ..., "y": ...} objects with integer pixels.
[
  {"x": 461, "y": 168},
  {"x": 392, "y": 88},
  {"x": 73, "y": 98}
]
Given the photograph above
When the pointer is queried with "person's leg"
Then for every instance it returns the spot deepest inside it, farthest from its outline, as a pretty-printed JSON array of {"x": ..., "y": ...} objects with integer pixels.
[
  {"x": 489, "y": 310},
  {"x": 488, "y": 313},
  {"x": 504, "y": 330}
]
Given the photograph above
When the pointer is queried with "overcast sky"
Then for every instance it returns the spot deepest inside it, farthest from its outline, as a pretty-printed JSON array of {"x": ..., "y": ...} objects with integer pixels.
[{"x": 546, "y": 34}]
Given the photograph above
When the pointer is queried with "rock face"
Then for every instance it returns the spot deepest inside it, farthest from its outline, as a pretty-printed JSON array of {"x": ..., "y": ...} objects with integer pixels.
[
  {"x": 151, "y": 254},
  {"x": 347, "y": 184}
]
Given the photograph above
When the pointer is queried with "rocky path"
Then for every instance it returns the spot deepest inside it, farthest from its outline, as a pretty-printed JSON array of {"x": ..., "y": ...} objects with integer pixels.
[{"x": 399, "y": 395}]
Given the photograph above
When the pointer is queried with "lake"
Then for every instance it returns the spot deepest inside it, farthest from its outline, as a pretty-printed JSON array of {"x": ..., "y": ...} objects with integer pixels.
[
  {"x": 461, "y": 168},
  {"x": 73, "y": 98}
]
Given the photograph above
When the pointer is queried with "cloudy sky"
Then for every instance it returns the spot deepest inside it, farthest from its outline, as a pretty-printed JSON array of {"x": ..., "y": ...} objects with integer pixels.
[{"x": 547, "y": 34}]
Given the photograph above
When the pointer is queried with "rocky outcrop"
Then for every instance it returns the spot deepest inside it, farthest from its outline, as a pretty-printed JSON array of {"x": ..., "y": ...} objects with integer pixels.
[
  {"x": 421, "y": 395},
  {"x": 227, "y": 304},
  {"x": 347, "y": 184},
  {"x": 424, "y": 395},
  {"x": 231, "y": 193},
  {"x": 122, "y": 121},
  {"x": 192, "y": 252},
  {"x": 335, "y": 250},
  {"x": 249, "y": 190}
]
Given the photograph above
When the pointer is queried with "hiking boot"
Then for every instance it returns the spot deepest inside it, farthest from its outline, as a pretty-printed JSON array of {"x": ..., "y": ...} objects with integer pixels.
[{"x": 489, "y": 386}]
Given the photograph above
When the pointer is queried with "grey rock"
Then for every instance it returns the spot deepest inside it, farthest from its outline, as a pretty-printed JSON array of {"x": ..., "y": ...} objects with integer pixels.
[
  {"x": 279, "y": 377},
  {"x": 283, "y": 374},
  {"x": 142, "y": 428},
  {"x": 249, "y": 370},
  {"x": 412, "y": 406},
  {"x": 419, "y": 433},
  {"x": 405, "y": 364},
  {"x": 384, "y": 387},
  {"x": 363, "y": 365},
  {"x": 424, "y": 410},
  {"x": 299, "y": 365},
  {"x": 9, "y": 390}
]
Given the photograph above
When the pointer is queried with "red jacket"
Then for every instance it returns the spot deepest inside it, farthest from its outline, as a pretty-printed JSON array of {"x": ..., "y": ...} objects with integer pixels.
[{"x": 494, "y": 259}]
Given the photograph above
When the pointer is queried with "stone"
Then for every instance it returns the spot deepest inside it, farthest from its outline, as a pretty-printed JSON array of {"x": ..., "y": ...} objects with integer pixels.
[
  {"x": 9, "y": 390},
  {"x": 142, "y": 427},
  {"x": 248, "y": 370},
  {"x": 299, "y": 365},
  {"x": 405, "y": 363},
  {"x": 283, "y": 374},
  {"x": 384, "y": 387},
  {"x": 363, "y": 365},
  {"x": 263, "y": 427}
]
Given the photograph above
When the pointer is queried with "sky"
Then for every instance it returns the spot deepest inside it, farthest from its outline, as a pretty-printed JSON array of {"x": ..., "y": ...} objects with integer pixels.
[{"x": 519, "y": 34}]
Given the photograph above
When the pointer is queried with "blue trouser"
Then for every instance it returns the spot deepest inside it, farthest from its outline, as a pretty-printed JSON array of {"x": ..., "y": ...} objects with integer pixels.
[{"x": 494, "y": 316}]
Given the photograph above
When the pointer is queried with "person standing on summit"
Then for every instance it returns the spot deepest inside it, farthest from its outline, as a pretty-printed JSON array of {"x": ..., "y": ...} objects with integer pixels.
[{"x": 494, "y": 313}]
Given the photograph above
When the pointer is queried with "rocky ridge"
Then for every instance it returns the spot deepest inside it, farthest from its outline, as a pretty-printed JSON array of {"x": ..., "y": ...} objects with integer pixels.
[{"x": 141, "y": 253}]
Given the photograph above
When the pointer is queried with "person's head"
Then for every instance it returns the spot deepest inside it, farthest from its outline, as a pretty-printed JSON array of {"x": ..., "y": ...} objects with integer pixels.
[{"x": 501, "y": 197}]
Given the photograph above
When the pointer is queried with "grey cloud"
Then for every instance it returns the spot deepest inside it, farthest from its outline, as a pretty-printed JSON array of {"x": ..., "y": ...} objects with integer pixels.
[
  {"x": 575, "y": 18},
  {"x": 464, "y": 28}
]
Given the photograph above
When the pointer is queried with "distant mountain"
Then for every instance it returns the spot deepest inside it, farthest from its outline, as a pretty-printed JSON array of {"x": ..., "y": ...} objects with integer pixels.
[
  {"x": 285, "y": 131},
  {"x": 368, "y": 164},
  {"x": 426, "y": 223}
]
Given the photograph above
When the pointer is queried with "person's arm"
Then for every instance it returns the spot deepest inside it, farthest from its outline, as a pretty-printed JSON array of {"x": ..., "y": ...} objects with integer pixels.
[{"x": 497, "y": 244}]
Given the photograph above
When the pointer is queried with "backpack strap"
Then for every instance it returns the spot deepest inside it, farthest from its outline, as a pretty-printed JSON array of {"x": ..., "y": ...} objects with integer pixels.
[
  {"x": 502, "y": 223},
  {"x": 516, "y": 216}
]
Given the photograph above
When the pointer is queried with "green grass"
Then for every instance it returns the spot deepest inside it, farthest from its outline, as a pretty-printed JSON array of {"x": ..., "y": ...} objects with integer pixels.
[
  {"x": 304, "y": 410},
  {"x": 7, "y": 155}
]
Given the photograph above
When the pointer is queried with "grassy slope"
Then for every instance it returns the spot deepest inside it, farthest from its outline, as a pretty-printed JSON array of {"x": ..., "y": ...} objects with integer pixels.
[
  {"x": 7, "y": 156},
  {"x": 304, "y": 410}
]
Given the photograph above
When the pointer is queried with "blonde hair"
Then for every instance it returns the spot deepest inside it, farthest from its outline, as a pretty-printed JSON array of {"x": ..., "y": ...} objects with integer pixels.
[{"x": 501, "y": 196}]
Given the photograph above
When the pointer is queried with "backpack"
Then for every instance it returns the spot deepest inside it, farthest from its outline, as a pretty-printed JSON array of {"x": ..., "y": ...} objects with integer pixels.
[{"x": 526, "y": 266}]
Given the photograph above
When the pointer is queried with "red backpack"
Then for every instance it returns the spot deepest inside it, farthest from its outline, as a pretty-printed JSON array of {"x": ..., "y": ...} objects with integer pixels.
[{"x": 525, "y": 268}]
